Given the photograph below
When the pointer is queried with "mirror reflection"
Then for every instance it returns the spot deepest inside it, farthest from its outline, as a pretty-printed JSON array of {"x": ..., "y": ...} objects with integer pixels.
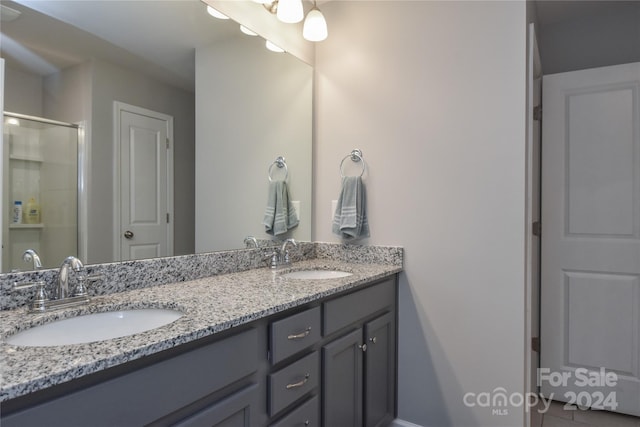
[{"x": 153, "y": 86}]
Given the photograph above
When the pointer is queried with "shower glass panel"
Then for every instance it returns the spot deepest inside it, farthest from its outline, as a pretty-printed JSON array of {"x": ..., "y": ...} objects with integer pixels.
[{"x": 41, "y": 172}]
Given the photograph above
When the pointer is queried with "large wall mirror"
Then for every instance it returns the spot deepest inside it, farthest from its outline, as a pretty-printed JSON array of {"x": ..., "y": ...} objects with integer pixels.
[{"x": 128, "y": 71}]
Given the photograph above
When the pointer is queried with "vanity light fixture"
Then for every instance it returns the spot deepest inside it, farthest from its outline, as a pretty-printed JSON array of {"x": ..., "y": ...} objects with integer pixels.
[
  {"x": 273, "y": 47},
  {"x": 315, "y": 26},
  {"x": 247, "y": 31},
  {"x": 292, "y": 11},
  {"x": 216, "y": 14}
]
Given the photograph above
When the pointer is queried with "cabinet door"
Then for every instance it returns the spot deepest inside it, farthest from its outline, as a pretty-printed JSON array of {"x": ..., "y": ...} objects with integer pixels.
[
  {"x": 379, "y": 380},
  {"x": 342, "y": 387},
  {"x": 234, "y": 411},
  {"x": 307, "y": 414}
]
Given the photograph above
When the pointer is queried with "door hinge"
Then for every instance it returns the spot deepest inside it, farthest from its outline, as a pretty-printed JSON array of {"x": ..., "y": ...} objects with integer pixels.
[
  {"x": 167, "y": 217},
  {"x": 535, "y": 228},
  {"x": 535, "y": 344},
  {"x": 167, "y": 143},
  {"x": 537, "y": 112}
]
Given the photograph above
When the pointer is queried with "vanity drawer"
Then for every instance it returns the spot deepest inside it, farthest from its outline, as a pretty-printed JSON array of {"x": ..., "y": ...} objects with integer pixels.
[
  {"x": 307, "y": 414},
  {"x": 346, "y": 310},
  {"x": 294, "y": 333},
  {"x": 291, "y": 383}
]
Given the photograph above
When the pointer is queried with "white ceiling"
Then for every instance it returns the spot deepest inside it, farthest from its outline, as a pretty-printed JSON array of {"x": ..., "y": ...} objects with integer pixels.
[{"x": 159, "y": 40}]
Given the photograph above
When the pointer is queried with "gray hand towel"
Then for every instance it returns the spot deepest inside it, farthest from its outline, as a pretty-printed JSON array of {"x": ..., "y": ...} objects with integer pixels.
[
  {"x": 350, "y": 218},
  {"x": 280, "y": 215}
]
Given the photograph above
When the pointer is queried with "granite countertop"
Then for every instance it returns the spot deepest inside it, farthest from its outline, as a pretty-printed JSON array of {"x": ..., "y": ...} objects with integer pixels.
[{"x": 211, "y": 305}]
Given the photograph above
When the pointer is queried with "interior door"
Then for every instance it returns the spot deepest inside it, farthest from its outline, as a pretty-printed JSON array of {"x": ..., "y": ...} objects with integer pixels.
[
  {"x": 532, "y": 240},
  {"x": 145, "y": 199},
  {"x": 590, "y": 265}
]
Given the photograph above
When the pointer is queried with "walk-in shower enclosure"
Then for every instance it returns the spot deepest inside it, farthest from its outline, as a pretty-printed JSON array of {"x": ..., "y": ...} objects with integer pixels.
[{"x": 40, "y": 170}]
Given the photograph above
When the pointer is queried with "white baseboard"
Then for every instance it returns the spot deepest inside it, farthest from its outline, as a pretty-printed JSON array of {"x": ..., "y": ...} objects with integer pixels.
[{"x": 401, "y": 423}]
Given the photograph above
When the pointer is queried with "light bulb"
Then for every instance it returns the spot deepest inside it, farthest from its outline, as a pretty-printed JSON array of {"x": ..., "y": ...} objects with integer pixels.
[
  {"x": 247, "y": 31},
  {"x": 213, "y": 12},
  {"x": 315, "y": 26},
  {"x": 290, "y": 11},
  {"x": 273, "y": 48}
]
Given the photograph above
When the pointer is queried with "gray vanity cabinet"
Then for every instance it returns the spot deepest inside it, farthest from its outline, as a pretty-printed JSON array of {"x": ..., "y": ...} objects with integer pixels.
[
  {"x": 332, "y": 361},
  {"x": 359, "y": 367}
]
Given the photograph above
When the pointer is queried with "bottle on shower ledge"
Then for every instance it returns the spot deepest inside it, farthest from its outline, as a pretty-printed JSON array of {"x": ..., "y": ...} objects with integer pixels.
[
  {"x": 16, "y": 217},
  {"x": 32, "y": 215}
]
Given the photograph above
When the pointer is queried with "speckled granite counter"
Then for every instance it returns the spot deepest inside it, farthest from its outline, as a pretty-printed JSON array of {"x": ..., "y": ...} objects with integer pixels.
[{"x": 211, "y": 305}]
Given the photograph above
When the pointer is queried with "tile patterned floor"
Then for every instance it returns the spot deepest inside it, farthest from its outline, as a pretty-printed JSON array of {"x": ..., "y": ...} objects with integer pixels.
[{"x": 557, "y": 416}]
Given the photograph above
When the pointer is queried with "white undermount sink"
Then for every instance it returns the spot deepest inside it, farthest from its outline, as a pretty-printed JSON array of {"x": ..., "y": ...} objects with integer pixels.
[
  {"x": 316, "y": 274},
  {"x": 94, "y": 327}
]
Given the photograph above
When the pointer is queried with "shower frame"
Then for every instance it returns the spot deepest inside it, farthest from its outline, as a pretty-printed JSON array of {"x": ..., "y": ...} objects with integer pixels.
[{"x": 82, "y": 182}]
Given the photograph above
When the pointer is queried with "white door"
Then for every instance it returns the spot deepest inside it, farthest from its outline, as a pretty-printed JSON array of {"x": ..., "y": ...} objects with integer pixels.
[
  {"x": 145, "y": 199},
  {"x": 590, "y": 265},
  {"x": 534, "y": 88}
]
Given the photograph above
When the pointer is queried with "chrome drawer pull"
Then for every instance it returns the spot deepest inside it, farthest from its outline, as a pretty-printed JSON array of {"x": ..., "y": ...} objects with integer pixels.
[
  {"x": 300, "y": 383},
  {"x": 300, "y": 335}
]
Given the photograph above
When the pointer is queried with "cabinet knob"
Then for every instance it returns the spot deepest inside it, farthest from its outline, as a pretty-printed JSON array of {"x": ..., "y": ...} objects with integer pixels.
[
  {"x": 363, "y": 347},
  {"x": 128, "y": 234},
  {"x": 373, "y": 340}
]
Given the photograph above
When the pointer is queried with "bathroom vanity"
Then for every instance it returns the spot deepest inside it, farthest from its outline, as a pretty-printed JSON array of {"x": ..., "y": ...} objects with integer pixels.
[{"x": 254, "y": 348}]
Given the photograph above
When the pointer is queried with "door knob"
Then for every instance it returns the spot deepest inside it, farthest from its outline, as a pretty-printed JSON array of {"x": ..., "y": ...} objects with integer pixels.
[{"x": 128, "y": 234}]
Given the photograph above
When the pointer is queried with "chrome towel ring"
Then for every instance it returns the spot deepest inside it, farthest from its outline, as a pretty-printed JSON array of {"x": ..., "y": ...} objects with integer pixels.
[
  {"x": 356, "y": 156},
  {"x": 281, "y": 163}
]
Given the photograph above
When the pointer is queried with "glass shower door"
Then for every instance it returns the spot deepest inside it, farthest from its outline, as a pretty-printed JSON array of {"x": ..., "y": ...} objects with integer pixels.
[{"x": 40, "y": 188}]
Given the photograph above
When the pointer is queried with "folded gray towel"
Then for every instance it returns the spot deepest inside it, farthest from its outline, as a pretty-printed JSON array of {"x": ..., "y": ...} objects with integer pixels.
[
  {"x": 350, "y": 218},
  {"x": 280, "y": 215}
]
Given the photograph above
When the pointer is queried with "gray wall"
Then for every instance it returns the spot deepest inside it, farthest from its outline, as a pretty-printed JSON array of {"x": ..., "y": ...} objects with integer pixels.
[
  {"x": 24, "y": 94},
  {"x": 434, "y": 94},
  {"x": 252, "y": 106}
]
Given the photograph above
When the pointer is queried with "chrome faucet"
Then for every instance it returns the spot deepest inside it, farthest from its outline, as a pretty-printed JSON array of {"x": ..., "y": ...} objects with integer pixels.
[
  {"x": 250, "y": 241},
  {"x": 279, "y": 257},
  {"x": 62, "y": 290},
  {"x": 61, "y": 296},
  {"x": 32, "y": 256},
  {"x": 284, "y": 252}
]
